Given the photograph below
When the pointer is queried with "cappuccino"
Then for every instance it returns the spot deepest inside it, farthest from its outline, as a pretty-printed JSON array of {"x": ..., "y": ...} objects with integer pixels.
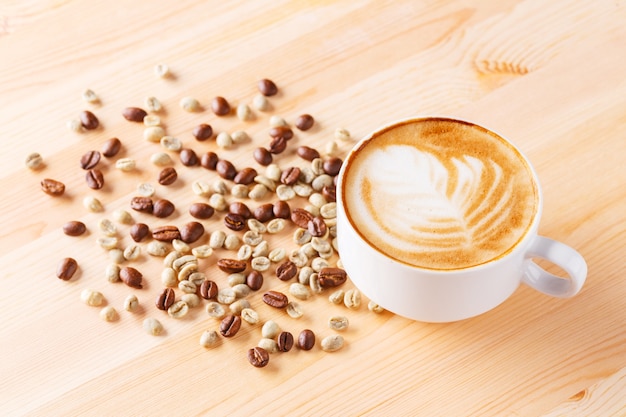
[{"x": 439, "y": 194}]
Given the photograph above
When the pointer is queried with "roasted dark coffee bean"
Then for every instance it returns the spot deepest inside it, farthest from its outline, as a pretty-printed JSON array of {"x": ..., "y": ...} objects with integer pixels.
[
  {"x": 275, "y": 299},
  {"x": 284, "y": 132},
  {"x": 208, "y": 289},
  {"x": 165, "y": 299},
  {"x": 88, "y": 120},
  {"x": 52, "y": 187},
  {"x": 131, "y": 277},
  {"x": 234, "y": 222},
  {"x": 286, "y": 271},
  {"x": 267, "y": 87},
  {"x": 281, "y": 210},
  {"x": 254, "y": 280},
  {"x": 258, "y": 357},
  {"x": 237, "y": 207},
  {"x": 262, "y": 156},
  {"x": 201, "y": 211},
  {"x": 167, "y": 176},
  {"x": 191, "y": 232},
  {"x": 209, "y": 160},
  {"x": 220, "y": 106},
  {"x": 134, "y": 114},
  {"x": 139, "y": 231},
  {"x": 226, "y": 169},
  {"x": 306, "y": 339},
  {"x": 188, "y": 157},
  {"x": 332, "y": 277},
  {"x": 202, "y": 132},
  {"x": 245, "y": 176},
  {"x": 166, "y": 233},
  {"x": 317, "y": 227},
  {"x": 301, "y": 218},
  {"x": 94, "y": 179},
  {"x": 307, "y": 153},
  {"x": 304, "y": 122},
  {"x": 332, "y": 165},
  {"x": 163, "y": 208},
  {"x": 90, "y": 159},
  {"x": 111, "y": 147},
  {"x": 67, "y": 268},
  {"x": 290, "y": 175},
  {"x": 277, "y": 145},
  {"x": 230, "y": 325},
  {"x": 74, "y": 228},
  {"x": 330, "y": 193},
  {"x": 231, "y": 266},
  {"x": 264, "y": 212},
  {"x": 142, "y": 204},
  {"x": 285, "y": 341}
]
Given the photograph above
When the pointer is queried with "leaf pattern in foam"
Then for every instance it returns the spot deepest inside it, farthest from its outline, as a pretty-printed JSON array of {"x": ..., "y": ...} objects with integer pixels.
[{"x": 433, "y": 204}]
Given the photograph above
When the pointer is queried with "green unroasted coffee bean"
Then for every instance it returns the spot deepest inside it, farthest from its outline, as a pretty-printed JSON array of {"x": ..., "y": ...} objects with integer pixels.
[
  {"x": 249, "y": 316},
  {"x": 374, "y": 307},
  {"x": 338, "y": 323},
  {"x": 178, "y": 310},
  {"x": 352, "y": 299},
  {"x": 152, "y": 326},
  {"x": 215, "y": 310},
  {"x": 336, "y": 297},
  {"x": 332, "y": 343},
  {"x": 270, "y": 329},
  {"x": 131, "y": 303},
  {"x": 300, "y": 291},
  {"x": 92, "y": 297},
  {"x": 109, "y": 313},
  {"x": 209, "y": 339},
  {"x": 294, "y": 310},
  {"x": 268, "y": 344}
]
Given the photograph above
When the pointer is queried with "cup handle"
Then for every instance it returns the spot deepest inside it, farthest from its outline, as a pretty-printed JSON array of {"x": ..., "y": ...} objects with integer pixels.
[{"x": 562, "y": 255}]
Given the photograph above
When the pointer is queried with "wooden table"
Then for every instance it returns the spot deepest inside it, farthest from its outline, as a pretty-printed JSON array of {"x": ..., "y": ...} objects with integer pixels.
[{"x": 549, "y": 75}]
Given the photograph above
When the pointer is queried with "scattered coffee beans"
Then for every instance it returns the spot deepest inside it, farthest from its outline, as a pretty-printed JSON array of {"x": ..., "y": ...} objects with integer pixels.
[
  {"x": 88, "y": 120},
  {"x": 134, "y": 114},
  {"x": 220, "y": 106},
  {"x": 67, "y": 268},
  {"x": 131, "y": 277},
  {"x": 74, "y": 228},
  {"x": 306, "y": 339},
  {"x": 167, "y": 176},
  {"x": 258, "y": 357},
  {"x": 332, "y": 343},
  {"x": 152, "y": 326},
  {"x": 94, "y": 179},
  {"x": 52, "y": 187},
  {"x": 92, "y": 297},
  {"x": 230, "y": 325},
  {"x": 275, "y": 299},
  {"x": 34, "y": 161},
  {"x": 305, "y": 122},
  {"x": 267, "y": 87}
]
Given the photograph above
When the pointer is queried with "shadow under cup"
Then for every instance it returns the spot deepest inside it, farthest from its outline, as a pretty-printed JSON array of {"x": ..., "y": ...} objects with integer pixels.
[{"x": 437, "y": 219}]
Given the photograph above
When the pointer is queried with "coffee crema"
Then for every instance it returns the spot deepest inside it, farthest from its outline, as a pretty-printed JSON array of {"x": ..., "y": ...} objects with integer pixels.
[{"x": 439, "y": 193}]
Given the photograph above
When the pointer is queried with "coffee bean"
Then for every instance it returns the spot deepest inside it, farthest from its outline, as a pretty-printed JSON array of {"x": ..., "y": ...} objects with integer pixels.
[
  {"x": 301, "y": 217},
  {"x": 330, "y": 193},
  {"x": 281, "y": 210},
  {"x": 201, "y": 211},
  {"x": 284, "y": 132},
  {"x": 332, "y": 277},
  {"x": 88, "y": 120},
  {"x": 66, "y": 268},
  {"x": 254, "y": 280},
  {"x": 167, "y": 176},
  {"x": 226, "y": 169},
  {"x": 277, "y": 145},
  {"x": 142, "y": 204},
  {"x": 285, "y": 341},
  {"x": 290, "y": 175},
  {"x": 304, "y": 122},
  {"x": 231, "y": 266},
  {"x": 134, "y": 114},
  {"x": 166, "y": 233},
  {"x": 264, "y": 212},
  {"x": 90, "y": 159},
  {"x": 245, "y": 176},
  {"x": 165, "y": 299},
  {"x": 163, "y": 208},
  {"x": 111, "y": 147},
  {"x": 191, "y": 232},
  {"x": 307, "y": 153},
  {"x": 202, "y": 132},
  {"x": 275, "y": 299},
  {"x": 234, "y": 222},
  {"x": 258, "y": 357},
  {"x": 94, "y": 179},
  {"x": 286, "y": 271},
  {"x": 209, "y": 160},
  {"x": 220, "y": 106},
  {"x": 131, "y": 277},
  {"x": 237, "y": 207},
  {"x": 230, "y": 325},
  {"x": 332, "y": 165},
  {"x": 306, "y": 339},
  {"x": 317, "y": 227},
  {"x": 74, "y": 228},
  {"x": 139, "y": 231},
  {"x": 208, "y": 289},
  {"x": 267, "y": 87},
  {"x": 262, "y": 156},
  {"x": 188, "y": 157},
  {"x": 52, "y": 187}
]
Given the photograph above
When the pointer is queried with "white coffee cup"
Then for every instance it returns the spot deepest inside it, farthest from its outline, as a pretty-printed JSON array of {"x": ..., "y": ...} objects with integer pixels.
[{"x": 434, "y": 294}]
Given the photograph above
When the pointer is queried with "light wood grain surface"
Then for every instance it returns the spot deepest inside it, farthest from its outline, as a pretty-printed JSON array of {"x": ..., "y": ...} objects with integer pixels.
[{"x": 549, "y": 75}]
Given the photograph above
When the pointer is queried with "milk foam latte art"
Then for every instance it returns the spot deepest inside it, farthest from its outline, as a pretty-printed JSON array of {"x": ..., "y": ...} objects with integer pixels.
[{"x": 439, "y": 194}]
